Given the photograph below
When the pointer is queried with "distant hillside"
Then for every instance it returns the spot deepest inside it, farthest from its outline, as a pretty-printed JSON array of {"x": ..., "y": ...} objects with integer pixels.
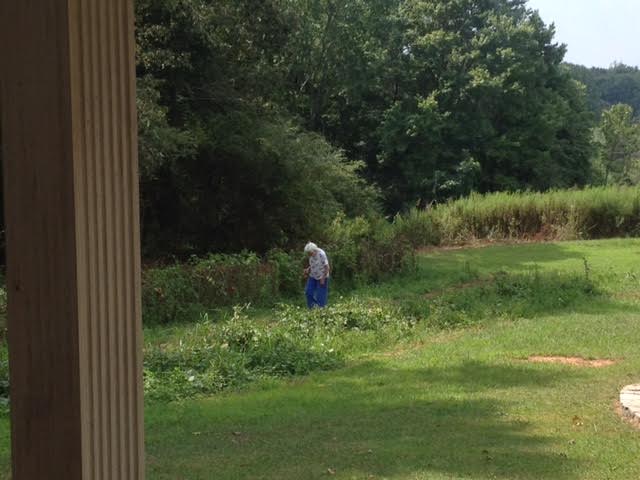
[{"x": 609, "y": 86}]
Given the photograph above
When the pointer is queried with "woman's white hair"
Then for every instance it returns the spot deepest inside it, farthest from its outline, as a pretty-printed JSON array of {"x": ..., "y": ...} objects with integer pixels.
[{"x": 310, "y": 247}]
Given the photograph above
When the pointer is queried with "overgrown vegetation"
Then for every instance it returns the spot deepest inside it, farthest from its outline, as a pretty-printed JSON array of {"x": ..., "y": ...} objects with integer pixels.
[
  {"x": 365, "y": 250},
  {"x": 210, "y": 357},
  {"x": 361, "y": 251},
  {"x": 182, "y": 292},
  {"x": 599, "y": 212}
]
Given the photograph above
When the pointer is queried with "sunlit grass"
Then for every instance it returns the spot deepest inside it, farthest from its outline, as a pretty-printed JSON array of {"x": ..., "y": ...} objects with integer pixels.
[
  {"x": 440, "y": 404},
  {"x": 456, "y": 404}
]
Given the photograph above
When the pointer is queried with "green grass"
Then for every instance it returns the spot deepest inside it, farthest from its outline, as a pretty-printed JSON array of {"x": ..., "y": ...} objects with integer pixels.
[
  {"x": 458, "y": 404},
  {"x": 443, "y": 404},
  {"x": 444, "y": 268}
]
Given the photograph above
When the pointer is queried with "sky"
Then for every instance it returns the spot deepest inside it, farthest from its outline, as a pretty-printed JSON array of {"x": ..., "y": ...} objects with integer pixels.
[{"x": 597, "y": 32}]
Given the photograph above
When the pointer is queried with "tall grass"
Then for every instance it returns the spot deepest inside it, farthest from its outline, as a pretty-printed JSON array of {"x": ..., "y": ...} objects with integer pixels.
[{"x": 592, "y": 213}]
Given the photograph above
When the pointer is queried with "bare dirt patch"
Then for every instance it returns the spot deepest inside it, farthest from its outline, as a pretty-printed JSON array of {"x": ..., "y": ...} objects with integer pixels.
[
  {"x": 633, "y": 295},
  {"x": 574, "y": 361}
]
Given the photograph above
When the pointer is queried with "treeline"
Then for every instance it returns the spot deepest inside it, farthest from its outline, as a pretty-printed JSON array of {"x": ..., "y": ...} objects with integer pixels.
[
  {"x": 606, "y": 87},
  {"x": 614, "y": 97},
  {"x": 260, "y": 122}
]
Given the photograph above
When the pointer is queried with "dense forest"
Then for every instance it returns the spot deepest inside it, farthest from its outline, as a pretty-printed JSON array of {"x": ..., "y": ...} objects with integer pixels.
[{"x": 607, "y": 87}]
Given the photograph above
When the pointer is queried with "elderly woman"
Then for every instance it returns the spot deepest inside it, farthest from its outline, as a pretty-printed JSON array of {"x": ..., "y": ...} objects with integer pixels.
[{"x": 317, "y": 290}]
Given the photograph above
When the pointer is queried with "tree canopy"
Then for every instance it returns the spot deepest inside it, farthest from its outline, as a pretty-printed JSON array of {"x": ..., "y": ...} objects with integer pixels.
[
  {"x": 260, "y": 120},
  {"x": 607, "y": 87}
]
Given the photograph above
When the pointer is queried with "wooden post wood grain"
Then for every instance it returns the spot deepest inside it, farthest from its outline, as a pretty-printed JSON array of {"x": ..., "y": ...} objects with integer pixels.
[{"x": 67, "y": 103}]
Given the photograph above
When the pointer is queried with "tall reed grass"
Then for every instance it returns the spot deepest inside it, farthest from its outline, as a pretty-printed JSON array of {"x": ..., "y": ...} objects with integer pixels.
[{"x": 598, "y": 212}]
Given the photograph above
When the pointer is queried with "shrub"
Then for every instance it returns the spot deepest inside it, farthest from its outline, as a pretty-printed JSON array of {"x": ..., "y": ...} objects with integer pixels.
[
  {"x": 366, "y": 250},
  {"x": 287, "y": 271},
  {"x": 169, "y": 294},
  {"x": 233, "y": 279},
  {"x": 182, "y": 292}
]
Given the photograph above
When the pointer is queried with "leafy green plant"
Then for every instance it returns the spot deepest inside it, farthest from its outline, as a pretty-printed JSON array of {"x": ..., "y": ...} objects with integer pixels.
[
  {"x": 287, "y": 270},
  {"x": 364, "y": 250},
  {"x": 232, "y": 279},
  {"x": 169, "y": 294},
  {"x": 182, "y": 292}
]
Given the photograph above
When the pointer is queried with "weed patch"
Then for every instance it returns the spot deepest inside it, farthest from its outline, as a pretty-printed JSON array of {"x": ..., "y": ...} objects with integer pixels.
[{"x": 212, "y": 357}]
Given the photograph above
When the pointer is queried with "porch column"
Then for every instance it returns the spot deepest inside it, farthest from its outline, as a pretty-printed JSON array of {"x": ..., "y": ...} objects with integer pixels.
[{"x": 67, "y": 103}]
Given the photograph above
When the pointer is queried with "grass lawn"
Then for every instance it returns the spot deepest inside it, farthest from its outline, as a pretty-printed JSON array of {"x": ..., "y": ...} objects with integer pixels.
[{"x": 460, "y": 404}]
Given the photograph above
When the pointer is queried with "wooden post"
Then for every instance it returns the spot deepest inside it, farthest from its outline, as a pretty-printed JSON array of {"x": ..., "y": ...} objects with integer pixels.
[{"x": 67, "y": 78}]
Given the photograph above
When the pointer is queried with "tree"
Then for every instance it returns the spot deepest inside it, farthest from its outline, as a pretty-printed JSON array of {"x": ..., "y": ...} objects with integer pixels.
[
  {"x": 344, "y": 67},
  {"x": 485, "y": 84},
  {"x": 224, "y": 166},
  {"x": 439, "y": 97},
  {"x": 609, "y": 86},
  {"x": 618, "y": 138}
]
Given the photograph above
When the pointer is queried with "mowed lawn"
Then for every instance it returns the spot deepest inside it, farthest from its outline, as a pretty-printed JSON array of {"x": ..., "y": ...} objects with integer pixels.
[{"x": 460, "y": 404}]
